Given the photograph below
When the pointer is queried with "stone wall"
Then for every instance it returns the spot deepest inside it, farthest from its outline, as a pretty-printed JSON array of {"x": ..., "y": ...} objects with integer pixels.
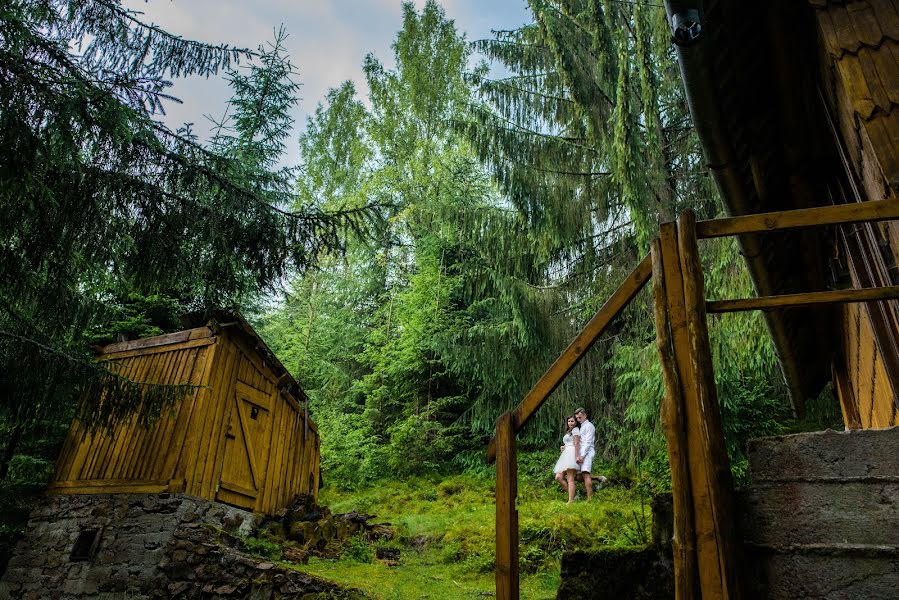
[
  {"x": 821, "y": 519},
  {"x": 146, "y": 546}
]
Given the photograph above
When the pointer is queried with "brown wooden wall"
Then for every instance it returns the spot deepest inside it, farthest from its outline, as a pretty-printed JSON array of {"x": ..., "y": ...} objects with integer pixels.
[
  {"x": 860, "y": 68},
  {"x": 239, "y": 438},
  {"x": 863, "y": 387}
]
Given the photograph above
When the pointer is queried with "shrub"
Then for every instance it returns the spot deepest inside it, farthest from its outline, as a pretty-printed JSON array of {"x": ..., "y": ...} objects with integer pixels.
[
  {"x": 262, "y": 547},
  {"x": 358, "y": 549},
  {"x": 450, "y": 487}
]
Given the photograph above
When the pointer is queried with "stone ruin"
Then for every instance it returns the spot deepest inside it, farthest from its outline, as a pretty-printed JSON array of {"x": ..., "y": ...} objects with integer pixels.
[
  {"x": 306, "y": 529},
  {"x": 155, "y": 546}
]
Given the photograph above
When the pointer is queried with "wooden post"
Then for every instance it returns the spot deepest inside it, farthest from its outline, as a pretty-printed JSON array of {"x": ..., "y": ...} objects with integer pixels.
[
  {"x": 672, "y": 415},
  {"x": 718, "y": 549},
  {"x": 506, "y": 513},
  {"x": 703, "y": 525}
]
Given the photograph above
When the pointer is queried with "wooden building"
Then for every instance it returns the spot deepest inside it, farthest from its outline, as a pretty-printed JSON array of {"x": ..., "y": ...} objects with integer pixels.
[
  {"x": 793, "y": 102},
  {"x": 242, "y": 437}
]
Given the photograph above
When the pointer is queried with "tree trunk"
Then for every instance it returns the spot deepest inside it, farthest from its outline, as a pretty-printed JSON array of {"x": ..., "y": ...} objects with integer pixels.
[{"x": 10, "y": 450}]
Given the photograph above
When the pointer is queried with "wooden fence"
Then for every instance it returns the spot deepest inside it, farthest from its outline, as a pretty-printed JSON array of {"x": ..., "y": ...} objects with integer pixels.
[{"x": 705, "y": 545}]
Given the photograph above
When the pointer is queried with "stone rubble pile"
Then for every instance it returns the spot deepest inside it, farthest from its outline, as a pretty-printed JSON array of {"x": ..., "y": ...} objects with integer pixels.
[{"x": 306, "y": 529}]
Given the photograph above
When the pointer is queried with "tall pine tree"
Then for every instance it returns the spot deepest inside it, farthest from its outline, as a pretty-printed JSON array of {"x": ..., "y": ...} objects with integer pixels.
[{"x": 99, "y": 199}]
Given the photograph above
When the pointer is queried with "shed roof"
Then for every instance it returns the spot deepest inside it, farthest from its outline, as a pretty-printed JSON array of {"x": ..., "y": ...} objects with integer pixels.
[{"x": 216, "y": 320}]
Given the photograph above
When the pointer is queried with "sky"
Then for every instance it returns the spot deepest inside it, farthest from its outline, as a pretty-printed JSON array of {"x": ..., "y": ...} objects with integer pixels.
[{"x": 328, "y": 41}]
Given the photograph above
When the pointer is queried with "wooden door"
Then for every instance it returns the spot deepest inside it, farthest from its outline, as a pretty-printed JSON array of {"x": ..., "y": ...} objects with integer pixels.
[{"x": 247, "y": 442}]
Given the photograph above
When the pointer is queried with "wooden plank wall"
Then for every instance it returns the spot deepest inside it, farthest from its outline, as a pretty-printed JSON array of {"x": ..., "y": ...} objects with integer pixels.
[
  {"x": 287, "y": 457},
  {"x": 862, "y": 385},
  {"x": 184, "y": 451},
  {"x": 860, "y": 70},
  {"x": 130, "y": 457}
]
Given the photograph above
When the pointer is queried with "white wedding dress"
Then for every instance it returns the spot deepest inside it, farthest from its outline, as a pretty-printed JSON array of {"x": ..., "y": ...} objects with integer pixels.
[{"x": 568, "y": 459}]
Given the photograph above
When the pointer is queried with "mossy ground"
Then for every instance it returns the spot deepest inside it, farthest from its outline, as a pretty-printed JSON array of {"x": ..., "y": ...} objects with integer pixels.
[{"x": 446, "y": 535}]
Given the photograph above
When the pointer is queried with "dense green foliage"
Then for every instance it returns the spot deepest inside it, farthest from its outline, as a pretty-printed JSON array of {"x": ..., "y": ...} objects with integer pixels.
[
  {"x": 514, "y": 207},
  {"x": 505, "y": 188},
  {"x": 103, "y": 205},
  {"x": 113, "y": 224}
]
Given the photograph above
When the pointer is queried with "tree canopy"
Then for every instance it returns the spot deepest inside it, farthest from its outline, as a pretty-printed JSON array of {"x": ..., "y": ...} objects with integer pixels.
[{"x": 103, "y": 205}]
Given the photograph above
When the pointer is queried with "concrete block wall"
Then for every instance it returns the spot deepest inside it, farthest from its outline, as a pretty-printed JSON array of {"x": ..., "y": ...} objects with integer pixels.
[{"x": 821, "y": 518}]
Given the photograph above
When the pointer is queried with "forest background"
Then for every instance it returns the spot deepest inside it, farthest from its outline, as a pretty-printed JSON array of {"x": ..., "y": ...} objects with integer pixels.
[{"x": 436, "y": 246}]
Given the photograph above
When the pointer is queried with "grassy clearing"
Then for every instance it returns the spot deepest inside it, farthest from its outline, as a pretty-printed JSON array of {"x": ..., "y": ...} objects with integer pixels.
[{"x": 446, "y": 535}]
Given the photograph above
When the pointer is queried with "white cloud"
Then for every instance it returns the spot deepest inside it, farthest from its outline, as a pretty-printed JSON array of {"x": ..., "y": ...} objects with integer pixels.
[{"x": 328, "y": 41}]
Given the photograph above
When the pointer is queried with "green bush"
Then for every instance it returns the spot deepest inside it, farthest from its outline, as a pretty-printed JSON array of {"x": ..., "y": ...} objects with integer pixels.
[
  {"x": 262, "y": 547},
  {"x": 358, "y": 549},
  {"x": 531, "y": 558},
  {"x": 450, "y": 487}
]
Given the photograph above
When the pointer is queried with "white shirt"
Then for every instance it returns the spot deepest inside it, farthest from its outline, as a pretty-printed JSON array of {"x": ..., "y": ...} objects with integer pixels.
[{"x": 588, "y": 437}]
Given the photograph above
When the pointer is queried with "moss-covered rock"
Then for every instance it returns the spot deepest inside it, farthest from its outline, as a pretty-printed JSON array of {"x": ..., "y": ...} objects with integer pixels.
[{"x": 636, "y": 573}]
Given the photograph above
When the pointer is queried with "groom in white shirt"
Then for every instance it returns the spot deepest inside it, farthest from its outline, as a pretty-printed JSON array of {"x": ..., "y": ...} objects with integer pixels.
[{"x": 588, "y": 448}]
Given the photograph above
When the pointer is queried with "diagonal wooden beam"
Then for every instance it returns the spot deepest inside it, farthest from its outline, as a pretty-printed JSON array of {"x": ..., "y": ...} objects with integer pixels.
[{"x": 575, "y": 351}]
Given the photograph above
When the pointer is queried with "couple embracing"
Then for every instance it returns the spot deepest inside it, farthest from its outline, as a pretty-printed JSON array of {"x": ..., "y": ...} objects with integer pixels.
[{"x": 578, "y": 450}]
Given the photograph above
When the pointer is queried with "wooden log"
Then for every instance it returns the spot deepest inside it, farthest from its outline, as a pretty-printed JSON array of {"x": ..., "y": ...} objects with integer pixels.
[
  {"x": 804, "y": 299},
  {"x": 855, "y": 212},
  {"x": 578, "y": 347},
  {"x": 506, "y": 513},
  {"x": 672, "y": 416},
  {"x": 703, "y": 523},
  {"x": 718, "y": 554}
]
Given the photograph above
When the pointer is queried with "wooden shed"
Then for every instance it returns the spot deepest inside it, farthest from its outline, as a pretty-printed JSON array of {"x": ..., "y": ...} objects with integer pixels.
[{"x": 242, "y": 437}]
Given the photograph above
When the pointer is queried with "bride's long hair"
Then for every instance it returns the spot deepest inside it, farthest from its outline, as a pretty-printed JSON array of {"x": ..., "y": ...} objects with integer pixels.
[{"x": 568, "y": 427}]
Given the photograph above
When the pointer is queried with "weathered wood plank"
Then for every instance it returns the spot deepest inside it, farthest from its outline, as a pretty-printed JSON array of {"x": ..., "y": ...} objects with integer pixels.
[
  {"x": 672, "y": 417},
  {"x": 225, "y": 403},
  {"x": 165, "y": 442},
  {"x": 804, "y": 299},
  {"x": 254, "y": 395},
  {"x": 507, "y": 585},
  {"x": 132, "y": 487},
  {"x": 718, "y": 550},
  {"x": 139, "y": 454},
  {"x": 578, "y": 347},
  {"x": 280, "y": 492},
  {"x": 848, "y": 404},
  {"x": 201, "y": 424},
  {"x": 159, "y": 340},
  {"x": 103, "y": 483},
  {"x": 703, "y": 524},
  {"x": 242, "y": 419},
  {"x": 190, "y": 343},
  {"x": 188, "y": 455},
  {"x": 856, "y": 212}
]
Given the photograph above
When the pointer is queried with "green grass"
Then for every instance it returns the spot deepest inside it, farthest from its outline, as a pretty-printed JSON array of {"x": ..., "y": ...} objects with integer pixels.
[
  {"x": 419, "y": 576},
  {"x": 446, "y": 535}
]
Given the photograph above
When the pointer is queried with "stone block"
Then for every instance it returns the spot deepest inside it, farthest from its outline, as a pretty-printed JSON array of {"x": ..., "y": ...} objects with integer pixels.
[
  {"x": 152, "y": 546},
  {"x": 826, "y": 576},
  {"x": 822, "y": 513},
  {"x": 866, "y": 453}
]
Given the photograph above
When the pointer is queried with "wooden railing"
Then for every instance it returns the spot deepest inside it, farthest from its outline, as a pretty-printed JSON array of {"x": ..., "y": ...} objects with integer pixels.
[{"x": 705, "y": 546}]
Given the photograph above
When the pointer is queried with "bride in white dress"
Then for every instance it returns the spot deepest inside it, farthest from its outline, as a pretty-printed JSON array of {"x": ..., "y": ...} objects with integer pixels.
[{"x": 566, "y": 467}]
